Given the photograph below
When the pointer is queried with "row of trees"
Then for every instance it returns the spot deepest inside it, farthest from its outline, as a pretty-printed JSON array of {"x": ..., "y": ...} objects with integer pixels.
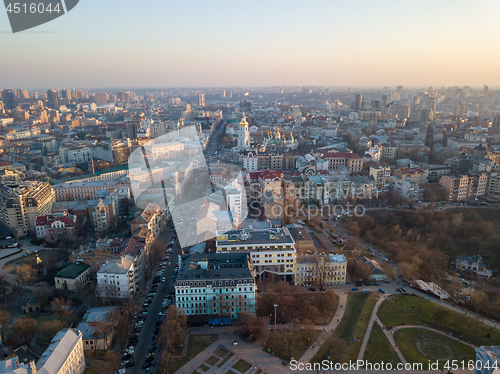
[{"x": 295, "y": 303}]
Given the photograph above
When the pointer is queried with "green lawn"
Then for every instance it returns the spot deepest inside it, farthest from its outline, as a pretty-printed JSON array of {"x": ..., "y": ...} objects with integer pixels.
[
  {"x": 221, "y": 352},
  {"x": 212, "y": 360},
  {"x": 203, "y": 367},
  {"x": 198, "y": 343},
  {"x": 378, "y": 348},
  {"x": 241, "y": 366},
  {"x": 435, "y": 345},
  {"x": 412, "y": 310},
  {"x": 303, "y": 340},
  {"x": 356, "y": 317},
  {"x": 31, "y": 258}
]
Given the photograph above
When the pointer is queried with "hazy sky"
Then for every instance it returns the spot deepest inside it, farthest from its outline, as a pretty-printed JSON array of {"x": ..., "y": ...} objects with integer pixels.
[{"x": 163, "y": 43}]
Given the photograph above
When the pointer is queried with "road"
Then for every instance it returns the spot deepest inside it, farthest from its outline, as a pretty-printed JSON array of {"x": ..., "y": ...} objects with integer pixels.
[{"x": 146, "y": 335}]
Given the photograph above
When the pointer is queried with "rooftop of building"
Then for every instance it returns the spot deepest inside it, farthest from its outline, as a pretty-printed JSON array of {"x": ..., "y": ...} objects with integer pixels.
[
  {"x": 93, "y": 316},
  {"x": 120, "y": 265},
  {"x": 56, "y": 354},
  {"x": 215, "y": 266},
  {"x": 73, "y": 271},
  {"x": 255, "y": 237}
]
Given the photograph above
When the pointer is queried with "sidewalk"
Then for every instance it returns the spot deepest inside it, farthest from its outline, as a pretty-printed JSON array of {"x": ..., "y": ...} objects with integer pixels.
[{"x": 339, "y": 314}]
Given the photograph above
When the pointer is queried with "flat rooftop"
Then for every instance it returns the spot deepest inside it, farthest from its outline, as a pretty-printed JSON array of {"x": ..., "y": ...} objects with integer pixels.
[
  {"x": 255, "y": 237},
  {"x": 72, "y": 271}
]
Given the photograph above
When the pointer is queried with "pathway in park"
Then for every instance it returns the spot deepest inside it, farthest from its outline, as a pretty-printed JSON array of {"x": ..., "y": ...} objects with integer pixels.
[
  {"x": 373, "y": 318},
  {"x": 339, "y": 314}
]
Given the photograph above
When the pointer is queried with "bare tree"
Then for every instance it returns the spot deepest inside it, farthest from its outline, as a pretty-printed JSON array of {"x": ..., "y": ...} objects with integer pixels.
[
  {"x": 171, "y": 336},
  {"x": 61, "y": 308},
  {"x": 26, "y": 328},
  {"x": 4, "y": 316}
]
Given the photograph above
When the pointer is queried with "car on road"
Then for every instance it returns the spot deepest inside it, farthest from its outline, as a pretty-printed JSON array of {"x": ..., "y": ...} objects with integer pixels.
[
  {"x": 381, "y": 290},
  {"x": 355, "y": 289}
]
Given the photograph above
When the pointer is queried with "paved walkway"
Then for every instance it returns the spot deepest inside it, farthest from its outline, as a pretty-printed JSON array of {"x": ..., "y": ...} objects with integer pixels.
[
  {"x": 311, "y": 351},
  {"x": 373, "y": 318},
  {"x": 394, "y": 329},
  {"x": 390, "y": 337}
]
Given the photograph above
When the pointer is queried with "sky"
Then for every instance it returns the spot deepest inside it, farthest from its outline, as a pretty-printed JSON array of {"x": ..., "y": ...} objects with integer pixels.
[{"x": 200, "y": 43}]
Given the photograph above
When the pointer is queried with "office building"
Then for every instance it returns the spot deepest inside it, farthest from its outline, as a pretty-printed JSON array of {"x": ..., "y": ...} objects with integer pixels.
[
  {"x": 351, "y": 161},
  {"x": 358, "y": 103},
  {"x": 53, "y": 99},
  {"x": 8, "y": 99},
  {"x": 272, "y": 251},
  {"x": 201, "y": 99}
]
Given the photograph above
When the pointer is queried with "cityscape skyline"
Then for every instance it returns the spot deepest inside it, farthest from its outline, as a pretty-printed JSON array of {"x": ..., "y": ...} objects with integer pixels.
[{"x": 298, "y": 44}]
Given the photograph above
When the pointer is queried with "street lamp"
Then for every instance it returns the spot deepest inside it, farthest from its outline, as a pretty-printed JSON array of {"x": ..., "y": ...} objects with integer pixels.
[{"x": 275, "y": 306}]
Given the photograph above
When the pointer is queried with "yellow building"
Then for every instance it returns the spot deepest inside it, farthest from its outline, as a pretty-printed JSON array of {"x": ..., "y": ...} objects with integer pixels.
[{"x": 312, "y": 270}]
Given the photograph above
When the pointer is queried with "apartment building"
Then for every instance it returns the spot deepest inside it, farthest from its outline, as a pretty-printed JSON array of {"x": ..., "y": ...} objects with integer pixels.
[
  {"x": 152, "y": 218},
  {"x": 102, "y": 214},
  {"x": 381, "y": 174},
  {"x": 79, "y": 153},
  {"x": 415, "y": 175},
  {"x": 352, "y": 161},
  {"x": 117, "y": 278},
  {"x": 21, "y": 203},
  {"x": 215, "y": 286},
  {"x": 460, "y": 187},
  {"x": 272, "y": 251}
]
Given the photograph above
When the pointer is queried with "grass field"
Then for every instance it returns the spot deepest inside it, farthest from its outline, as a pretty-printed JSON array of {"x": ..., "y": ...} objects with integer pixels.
[
  {"x": 31, "y": 258},
  {"x": 356, "y": 317},
  {"x": 198, "y": 343},
  {"x": 412, "y": 310},
  {"x": 304, "y": 339},
  {"x": 435, "y": 345},
  {"x": 241, "y": 366},
  {"x": 378, "y": 348}
]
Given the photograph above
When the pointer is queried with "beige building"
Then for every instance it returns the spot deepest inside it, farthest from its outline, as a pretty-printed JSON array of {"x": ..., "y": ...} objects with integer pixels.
[
  {"x": 352, "y": 161},
  {"x": 312, "y": 270},
  {"x": 72, "y": 275},
  {"x": 460, "y": 187},
  {"x": 151, "y": 218}
]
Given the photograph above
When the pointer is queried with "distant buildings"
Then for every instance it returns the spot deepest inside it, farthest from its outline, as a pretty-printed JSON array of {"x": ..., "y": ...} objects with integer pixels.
[{"x": 472, "y": 263}]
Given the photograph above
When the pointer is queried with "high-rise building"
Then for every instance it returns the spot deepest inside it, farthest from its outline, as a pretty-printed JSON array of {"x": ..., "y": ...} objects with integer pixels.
[
  {"x": 53, "y": 99},
  {"x": 358, "y": 103},
  {"x": 201, "y": 99},
  {"x": 385, "y": 100},
  {"x": 123, "y": 96},
  {"x": 246, "y": 106},
  {"x": 8, "y": 99},
  {"x": 229, "y": 94},
  {"x": 66, "y": 94}
]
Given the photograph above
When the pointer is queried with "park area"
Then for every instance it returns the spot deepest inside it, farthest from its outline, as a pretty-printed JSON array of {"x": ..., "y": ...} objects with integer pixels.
[{"x": 412, "y": 310}]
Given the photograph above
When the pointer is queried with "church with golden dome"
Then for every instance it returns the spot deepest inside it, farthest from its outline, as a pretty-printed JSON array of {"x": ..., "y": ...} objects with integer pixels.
[{"x": 243, "y": 135}]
